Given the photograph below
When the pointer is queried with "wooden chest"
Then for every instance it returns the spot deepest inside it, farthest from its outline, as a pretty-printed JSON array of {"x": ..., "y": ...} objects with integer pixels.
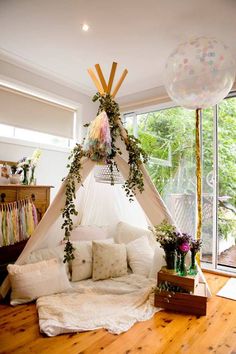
[
  {"x": 188, "y": 282},
  {"x": 195, "y": 304}
]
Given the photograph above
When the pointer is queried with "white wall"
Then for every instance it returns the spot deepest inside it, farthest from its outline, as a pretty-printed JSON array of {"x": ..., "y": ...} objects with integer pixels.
[
  {"x": 51, "y": 167},
  {"x": 39, "y": 83}
]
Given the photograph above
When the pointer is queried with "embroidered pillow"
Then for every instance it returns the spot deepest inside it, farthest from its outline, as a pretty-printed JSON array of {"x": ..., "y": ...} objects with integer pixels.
[
  {"x": 30, "y": 281},
  {"x": 109, "y": 260}
]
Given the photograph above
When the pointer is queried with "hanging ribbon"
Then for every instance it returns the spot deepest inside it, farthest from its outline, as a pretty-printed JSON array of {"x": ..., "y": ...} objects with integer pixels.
[{"x": 199, "y": 180}]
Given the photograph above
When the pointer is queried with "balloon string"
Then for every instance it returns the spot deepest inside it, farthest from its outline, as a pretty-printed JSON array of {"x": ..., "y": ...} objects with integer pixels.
[{"x": 199, "y": 180}]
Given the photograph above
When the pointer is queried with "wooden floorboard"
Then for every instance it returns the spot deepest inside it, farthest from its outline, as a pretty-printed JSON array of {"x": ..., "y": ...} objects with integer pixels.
[{"x": 165, "y": 333}]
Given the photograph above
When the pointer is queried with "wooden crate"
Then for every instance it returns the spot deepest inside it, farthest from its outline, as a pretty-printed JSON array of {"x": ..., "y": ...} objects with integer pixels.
[
  {"x": 195, "y": 304},
  {"x": 189, "y": 282}
]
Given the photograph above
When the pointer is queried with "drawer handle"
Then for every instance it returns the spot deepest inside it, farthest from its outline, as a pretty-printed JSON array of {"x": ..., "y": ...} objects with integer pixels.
[
  {"x": 33, "y": 197},
  {"x": 3, "y": 196}
]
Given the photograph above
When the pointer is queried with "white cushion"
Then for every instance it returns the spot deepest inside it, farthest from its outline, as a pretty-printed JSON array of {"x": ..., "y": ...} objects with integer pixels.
[
  {"x": 88, "y": 233},
  {"x": 45, "y": 254},
  {"x": 126, "y": 233},
  {"x": 140, "y": 256},
  {"x": 109, "y": 260},
  {"x": 158, "y": 262},
  {"x": 82, "y": 263},
  {"x": 30, "y": 281}
]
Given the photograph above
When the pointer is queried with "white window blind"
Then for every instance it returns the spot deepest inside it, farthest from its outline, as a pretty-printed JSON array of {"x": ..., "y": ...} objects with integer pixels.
[{"x": 29, "y": 112}]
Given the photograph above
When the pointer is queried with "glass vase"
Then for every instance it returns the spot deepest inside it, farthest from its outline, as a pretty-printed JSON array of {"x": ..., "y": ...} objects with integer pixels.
[
  {"x": 25, "y": 180},
  {"x": 170, "y": 257},
  {"x": 178, "y": 257},
  {"x": 193, "y": 266},
  {"x": 32, "y": 177},
  {"x": 182, "y": 266}
]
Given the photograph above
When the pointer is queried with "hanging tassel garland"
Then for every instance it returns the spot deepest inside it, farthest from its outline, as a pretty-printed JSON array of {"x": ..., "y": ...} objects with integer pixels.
[
  {"x": 17, "y": 221},
  {"x": 98, "y": 141}
]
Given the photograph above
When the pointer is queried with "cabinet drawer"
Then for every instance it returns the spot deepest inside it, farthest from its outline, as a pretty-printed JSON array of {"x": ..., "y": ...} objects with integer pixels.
[
  {"x": 7, "y": 195},
  {"x": 38, "y": 195}
]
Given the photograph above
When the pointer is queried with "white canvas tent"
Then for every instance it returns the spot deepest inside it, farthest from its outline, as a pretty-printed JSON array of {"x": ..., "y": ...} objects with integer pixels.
[{"x": 147, "y": 208}]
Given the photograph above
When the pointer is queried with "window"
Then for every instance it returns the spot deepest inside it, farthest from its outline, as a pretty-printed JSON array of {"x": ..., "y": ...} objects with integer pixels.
[
  {"x": 34, "y": 136},
  {"x": 168, "y": 136}
]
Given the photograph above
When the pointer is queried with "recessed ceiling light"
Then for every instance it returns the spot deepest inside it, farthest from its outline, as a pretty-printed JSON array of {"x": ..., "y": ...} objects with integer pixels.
[{"x": 85, "y": 27}]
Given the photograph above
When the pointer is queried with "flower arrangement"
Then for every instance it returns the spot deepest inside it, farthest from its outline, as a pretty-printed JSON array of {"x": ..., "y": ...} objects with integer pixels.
[
  {"x": 195, "y": 246},
  {"x": 166, "y": 235},
  {"x": 26, "y": 163},
  {"x": 177, "y": 245}
]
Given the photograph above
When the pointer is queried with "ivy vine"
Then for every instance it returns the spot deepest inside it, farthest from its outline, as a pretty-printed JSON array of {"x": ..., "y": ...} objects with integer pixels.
[
  {"x": 135, "y": 177},
  {"x": 69, "y": 209}
]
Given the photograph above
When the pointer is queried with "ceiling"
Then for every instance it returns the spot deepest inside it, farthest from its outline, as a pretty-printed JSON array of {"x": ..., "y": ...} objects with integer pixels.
[{"x": 45, "y": 36}]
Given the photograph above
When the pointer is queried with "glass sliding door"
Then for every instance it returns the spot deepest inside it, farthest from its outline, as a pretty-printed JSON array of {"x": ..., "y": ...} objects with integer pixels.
[
  {"x": 168, "y": 137},
  {"x": 227, "y": 183},
  {"x": 207, "y": 184}
]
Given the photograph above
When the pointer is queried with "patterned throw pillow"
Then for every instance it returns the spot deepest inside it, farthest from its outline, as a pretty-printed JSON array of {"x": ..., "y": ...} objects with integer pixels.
[{"x": 109, "y": 260}]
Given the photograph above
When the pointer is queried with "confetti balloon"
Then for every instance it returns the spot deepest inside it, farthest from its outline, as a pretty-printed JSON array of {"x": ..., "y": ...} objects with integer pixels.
[{"x": 199, "y": 73}]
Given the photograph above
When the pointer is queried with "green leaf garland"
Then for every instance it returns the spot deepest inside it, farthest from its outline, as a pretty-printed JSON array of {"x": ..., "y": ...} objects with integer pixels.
[{"x": 131, "y": 185}]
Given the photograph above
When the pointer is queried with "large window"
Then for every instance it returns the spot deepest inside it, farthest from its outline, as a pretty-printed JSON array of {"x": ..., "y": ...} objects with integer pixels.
[
  {"x": 168, "y": 136},
  {"x": 9, "y": 131}
]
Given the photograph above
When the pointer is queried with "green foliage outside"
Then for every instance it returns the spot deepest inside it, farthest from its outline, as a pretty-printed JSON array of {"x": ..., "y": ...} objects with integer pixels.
[{"x": 174, "y": 129}]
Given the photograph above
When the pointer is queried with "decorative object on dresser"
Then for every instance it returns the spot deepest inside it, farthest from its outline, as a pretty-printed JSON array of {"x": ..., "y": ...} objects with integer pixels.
[{"x": 27, "y": 165}]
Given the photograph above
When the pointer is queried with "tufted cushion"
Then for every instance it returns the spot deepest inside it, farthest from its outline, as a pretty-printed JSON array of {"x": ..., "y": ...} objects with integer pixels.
[
  {"x": 82, "y": 263},
  {"x": 109, "y": 260}
]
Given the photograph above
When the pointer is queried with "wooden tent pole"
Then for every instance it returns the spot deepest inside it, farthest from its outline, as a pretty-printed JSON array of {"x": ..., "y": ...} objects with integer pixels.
[
  {"x": 119, "y": 83},
  {"x": 111, "y": 78},
  {"x": 101, "y": 84},
  {"x": 101, "y": 77},
  {"x": 96, "y": 82}
]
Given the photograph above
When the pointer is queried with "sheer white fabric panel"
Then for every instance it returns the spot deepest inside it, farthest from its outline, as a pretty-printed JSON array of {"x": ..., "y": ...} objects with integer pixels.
[{"x": 102, "y": 204}]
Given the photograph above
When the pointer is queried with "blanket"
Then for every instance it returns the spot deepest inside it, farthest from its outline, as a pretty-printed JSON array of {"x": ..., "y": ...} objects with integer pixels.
[{"x": 114, "y": 304}]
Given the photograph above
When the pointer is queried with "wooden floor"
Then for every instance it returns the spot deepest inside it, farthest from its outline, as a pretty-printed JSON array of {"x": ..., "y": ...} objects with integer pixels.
[{"x": 166, "y": 332}]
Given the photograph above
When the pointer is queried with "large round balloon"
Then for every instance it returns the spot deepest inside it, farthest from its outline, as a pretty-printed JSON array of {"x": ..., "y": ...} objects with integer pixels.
[{"x": 199, "y": 73}]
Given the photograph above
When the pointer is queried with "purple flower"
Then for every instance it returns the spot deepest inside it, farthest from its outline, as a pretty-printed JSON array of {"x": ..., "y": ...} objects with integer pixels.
[{"x": 184, "y": 247}]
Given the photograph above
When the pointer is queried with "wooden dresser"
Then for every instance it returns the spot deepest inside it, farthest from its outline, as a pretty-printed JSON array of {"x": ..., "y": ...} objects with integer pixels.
[{"x": 40, "y": 196}]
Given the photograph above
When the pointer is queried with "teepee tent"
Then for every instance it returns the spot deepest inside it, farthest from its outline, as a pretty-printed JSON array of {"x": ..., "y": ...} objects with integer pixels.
[{"x": 147, "y": 207}]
